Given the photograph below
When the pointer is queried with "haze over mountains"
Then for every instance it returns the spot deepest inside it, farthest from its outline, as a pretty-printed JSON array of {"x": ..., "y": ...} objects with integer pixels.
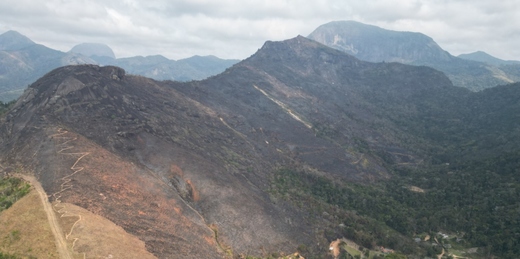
[
  {"x": 157, "y": 67},
  {"x": 23, "y": 61},
  {"x": 94, "y": 50},
  {"x": 290, "y": 149},
  {"x": 374, "y": 44},
  {"x": 482, "y": 56}
]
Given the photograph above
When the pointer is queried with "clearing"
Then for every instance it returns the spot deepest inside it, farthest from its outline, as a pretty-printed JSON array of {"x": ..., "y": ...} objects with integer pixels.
[{"x": 25, "y": 231}]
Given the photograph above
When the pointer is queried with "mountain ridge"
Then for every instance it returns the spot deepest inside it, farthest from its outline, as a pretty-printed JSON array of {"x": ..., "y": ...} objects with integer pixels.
[
  {"x": 13, "y": 40},
  {"x": 296, "y": 146},
  {"x": 214, "y": 135},
  {"x": 93, "y": 49},
  {"x": 367, "y": 37},
  {"x": 182, "y": 179},
  {"x": 22, "y": 62},
  {"x": 375, "y": 44},
  {"x": 482, "y": 56}
]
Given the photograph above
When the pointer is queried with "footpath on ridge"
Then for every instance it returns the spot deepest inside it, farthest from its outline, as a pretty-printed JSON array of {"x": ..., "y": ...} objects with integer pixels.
[{"x": 61, "y": 244}]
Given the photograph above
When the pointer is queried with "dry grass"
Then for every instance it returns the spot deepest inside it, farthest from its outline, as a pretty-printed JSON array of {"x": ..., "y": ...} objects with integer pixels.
[
  {"x": 25, "y": 231},
  {"x": 97, "y": 237}
]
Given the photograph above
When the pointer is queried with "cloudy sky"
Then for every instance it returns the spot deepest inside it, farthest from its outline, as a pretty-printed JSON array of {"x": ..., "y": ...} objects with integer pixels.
[{"x": 237, "y": 28}]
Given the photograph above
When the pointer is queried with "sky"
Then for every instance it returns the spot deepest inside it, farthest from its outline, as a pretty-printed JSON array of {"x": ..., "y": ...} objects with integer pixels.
[{"x": 236, "y": 29}]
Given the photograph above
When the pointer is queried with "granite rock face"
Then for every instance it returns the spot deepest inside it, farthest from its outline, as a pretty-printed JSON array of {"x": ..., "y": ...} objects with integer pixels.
[{"x": 374, "y": 44}]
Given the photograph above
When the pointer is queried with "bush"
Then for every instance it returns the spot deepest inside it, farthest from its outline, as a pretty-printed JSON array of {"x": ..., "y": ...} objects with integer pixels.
[
  {"x": 11, "y": 190},
  {"x": 8, "y": 256}
]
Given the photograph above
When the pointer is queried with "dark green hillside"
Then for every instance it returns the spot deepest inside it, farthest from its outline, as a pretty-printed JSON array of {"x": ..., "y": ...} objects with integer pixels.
[{"x": 470, "y": 186}]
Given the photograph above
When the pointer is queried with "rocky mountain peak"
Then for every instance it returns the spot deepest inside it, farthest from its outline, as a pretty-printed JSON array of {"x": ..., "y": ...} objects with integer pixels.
[
  {"x": 372, "y": 43},
  {"x": 93, "y": 50},
  {"x": 54, "y": 91},
  {"x": 299, "y": 53},
  {"x": 82, "y": 75},
  {"x": 13, "y": 40}
]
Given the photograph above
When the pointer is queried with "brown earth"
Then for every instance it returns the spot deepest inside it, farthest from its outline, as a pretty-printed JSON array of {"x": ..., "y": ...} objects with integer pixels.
[
  {"x": 59, "y": 238},
  {"x": 26, "y": 231},
  {"x": 131, "y": 196},
  {"x": 334, "y": 246},
  {"x": 93, "y": 236}
]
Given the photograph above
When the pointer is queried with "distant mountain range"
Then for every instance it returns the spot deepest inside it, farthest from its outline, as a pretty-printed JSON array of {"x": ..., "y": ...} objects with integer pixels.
[
  {"x": 483, "y": 57},
  {"x": 157, "y": 67},
  {"x": 371, "y": 43},
  {"x": 161, "y": 68},
  {"x": 22, "y": 61}
]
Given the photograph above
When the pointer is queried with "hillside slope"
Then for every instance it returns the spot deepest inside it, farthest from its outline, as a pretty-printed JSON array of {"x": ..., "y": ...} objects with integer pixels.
[
  {"x": 97, "y": 127},
  {"x": 294, "y": 147}
]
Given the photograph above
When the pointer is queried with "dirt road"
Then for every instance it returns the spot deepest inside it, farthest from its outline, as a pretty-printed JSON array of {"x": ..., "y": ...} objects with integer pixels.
[
  {"x": 334, "y": 247},
  {"x": 61, "y": 244}
]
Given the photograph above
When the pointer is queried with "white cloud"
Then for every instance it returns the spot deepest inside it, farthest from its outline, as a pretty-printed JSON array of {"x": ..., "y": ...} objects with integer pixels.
[{"x": 236, "y": 29}]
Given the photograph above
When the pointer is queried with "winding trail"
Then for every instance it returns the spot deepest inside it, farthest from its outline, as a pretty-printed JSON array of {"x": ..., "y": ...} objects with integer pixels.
[
  {"x": 61, "y": 243},
  {"x": 359, "y": 160},
  {"x": 65, "y": 185},
  {"x": 440, "y": 256}
]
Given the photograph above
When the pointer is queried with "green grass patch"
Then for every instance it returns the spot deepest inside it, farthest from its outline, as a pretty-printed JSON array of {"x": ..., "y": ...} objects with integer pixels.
[
  {"x": 352, "y": 251},
  {"x": 8, "y": 256},
  {"x": 11, "y": 190}
]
